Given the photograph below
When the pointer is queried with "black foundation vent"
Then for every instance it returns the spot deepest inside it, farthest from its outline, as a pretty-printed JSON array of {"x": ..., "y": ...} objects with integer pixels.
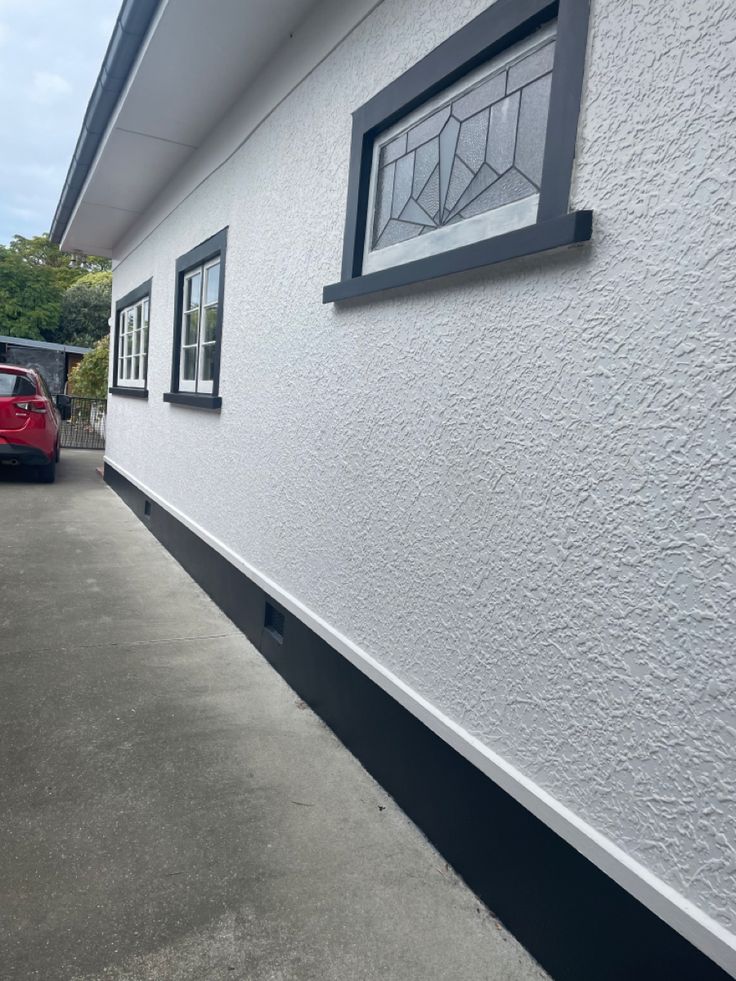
[{"x": 274, "y": 622}]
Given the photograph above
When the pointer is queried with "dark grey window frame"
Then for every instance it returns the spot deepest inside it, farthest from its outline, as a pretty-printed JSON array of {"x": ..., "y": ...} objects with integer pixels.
[
  {"x": 134, "y": 296},
  {"x": 210, "y": 249},
  {"x": 504, "y": 23}
]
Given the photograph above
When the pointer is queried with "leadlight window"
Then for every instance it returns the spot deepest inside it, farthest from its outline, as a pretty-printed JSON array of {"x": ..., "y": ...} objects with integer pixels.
[
  {"x": 199, "y": 328},
  {"x": 467, "y": 164},
  {"x": 466, "y": 159},
  {"x": 132, "y": 346}
]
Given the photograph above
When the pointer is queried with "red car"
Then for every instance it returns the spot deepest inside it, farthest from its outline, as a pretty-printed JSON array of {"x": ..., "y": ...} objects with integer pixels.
[{"x": 30, "y": 423}]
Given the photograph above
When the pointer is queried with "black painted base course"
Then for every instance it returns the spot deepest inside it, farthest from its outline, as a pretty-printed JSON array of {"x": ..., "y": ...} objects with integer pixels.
[{"x": 571, "y": 916}]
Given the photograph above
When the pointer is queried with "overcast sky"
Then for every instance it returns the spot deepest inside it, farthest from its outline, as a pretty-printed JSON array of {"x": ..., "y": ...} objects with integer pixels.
[{"x": 50, "y": 54}]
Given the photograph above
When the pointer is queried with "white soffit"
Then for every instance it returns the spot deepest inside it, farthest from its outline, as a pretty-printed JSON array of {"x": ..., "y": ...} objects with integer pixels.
[{"x": 195, "y": 63}]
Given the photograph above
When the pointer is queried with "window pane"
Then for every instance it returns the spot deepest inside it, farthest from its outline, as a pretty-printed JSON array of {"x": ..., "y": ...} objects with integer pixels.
[
  {"x": 531, "y": 66},
  {"x": 213, "y": 284},
  {"x": 135, "y": 363},
  {"x": 533, "y": 128},
  {"x": 192, "y": 291},
  {"x": 189, "y": 363},
  {"x": 144, "y": 340},
  {"x": 145, "y": 313},
  {"x": 210, "y": 324},
  {"x": 130, "y": 325},
  {"x": 191, "y": 327},
  {"x": 477, "y": 149},
  {"x": 121, "y": 368},
  {"x": 136, "y": 341},
  {"x": 207, "y": 363},
  {"x": 128, "y": 345}
]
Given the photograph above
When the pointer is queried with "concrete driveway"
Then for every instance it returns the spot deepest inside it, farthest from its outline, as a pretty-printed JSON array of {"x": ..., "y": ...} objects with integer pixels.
[{"x": 168, "y": 808}]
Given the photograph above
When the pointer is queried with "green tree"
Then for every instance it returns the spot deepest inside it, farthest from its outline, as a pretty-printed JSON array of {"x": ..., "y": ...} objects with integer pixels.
[
  {"x": 39, "y": 250},
  {"x": 30, "y": 301},
  {"x": 89, "y": 377},
  {"x": 85, "y": 309},
  {"x": 33, "y": 276}
]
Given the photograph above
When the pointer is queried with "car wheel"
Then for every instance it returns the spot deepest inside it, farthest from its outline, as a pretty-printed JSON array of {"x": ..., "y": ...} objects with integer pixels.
[{"x": 47, "y": 474}]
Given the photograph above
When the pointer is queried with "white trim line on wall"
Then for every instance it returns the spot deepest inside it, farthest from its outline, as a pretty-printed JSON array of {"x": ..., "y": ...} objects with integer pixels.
[{"x": 684, "y": 916}]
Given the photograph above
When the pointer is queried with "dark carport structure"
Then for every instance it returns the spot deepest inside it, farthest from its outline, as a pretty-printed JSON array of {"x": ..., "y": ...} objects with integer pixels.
[{"x": 53, "y": 361}]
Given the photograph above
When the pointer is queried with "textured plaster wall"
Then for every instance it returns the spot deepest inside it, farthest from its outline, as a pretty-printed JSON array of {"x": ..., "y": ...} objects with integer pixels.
[{"x": 515, "y": 489}]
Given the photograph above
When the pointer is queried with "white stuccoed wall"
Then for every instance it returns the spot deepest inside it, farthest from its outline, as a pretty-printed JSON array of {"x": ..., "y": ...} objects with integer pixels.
[{"x": 514, "y": 489}]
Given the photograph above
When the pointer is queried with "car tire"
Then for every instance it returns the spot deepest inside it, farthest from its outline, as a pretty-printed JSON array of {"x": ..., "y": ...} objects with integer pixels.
[{"x": 47, "y": 474}]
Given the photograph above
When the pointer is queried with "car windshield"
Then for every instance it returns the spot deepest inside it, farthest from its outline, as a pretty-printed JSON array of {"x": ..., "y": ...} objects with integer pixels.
[{"x": 12, "y": 384}]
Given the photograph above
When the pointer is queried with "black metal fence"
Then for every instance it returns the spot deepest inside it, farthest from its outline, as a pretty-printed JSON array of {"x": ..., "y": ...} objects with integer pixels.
[{"x": 83, "y": 427}]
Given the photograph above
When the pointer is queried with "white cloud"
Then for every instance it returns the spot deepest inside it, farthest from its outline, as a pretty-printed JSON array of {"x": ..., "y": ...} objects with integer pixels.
[
  {"x": 48, "y": 66},
  {"x": 48, "y": 88}
]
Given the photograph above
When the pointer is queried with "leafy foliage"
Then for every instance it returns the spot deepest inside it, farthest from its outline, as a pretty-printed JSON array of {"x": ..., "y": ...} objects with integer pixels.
[
  {"x": 89, "y": 377},
  {"x": 85, "y": 309},
  {"x": 34, "y": 273}
]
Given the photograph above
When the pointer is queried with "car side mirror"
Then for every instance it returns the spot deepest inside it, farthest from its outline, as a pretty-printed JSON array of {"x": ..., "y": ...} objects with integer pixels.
[{"x": 64, "y": 405}]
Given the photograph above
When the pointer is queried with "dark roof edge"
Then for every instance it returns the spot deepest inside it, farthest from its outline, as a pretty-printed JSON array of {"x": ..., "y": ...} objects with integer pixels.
[
  {"x": 46, "y": 345},
  {"x": 131, "y": 26}
]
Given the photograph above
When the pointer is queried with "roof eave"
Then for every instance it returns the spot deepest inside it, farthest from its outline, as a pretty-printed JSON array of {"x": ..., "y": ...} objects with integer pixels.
[{"x": 130, "y": 30}]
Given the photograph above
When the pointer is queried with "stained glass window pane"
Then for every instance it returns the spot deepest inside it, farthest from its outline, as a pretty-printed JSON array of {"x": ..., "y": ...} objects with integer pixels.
[
  {"x": 384, "y": 192},
  {"x": 471, "y": 144},
  {"x": 392, "y": 151},
  {"x": 479, "y": 150},
  {"x": 398, "y": 231},
  {"x": 481, "y": 96},
  {"x": 532, "y": 128},
  {"x": 402, "y": 184},
  {"x": 511, "y": 187},
  {"x": 533, "y": 66},
  {"x": 426, "y": 159},
  {"x": 502, "y": 133},
  {"x": 429, "y": 199},
  {"x": 429, "y": 128}
]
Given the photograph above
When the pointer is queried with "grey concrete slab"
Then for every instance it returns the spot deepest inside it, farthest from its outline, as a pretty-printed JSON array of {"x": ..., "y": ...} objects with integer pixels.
[{"x": 169, "y": 809}]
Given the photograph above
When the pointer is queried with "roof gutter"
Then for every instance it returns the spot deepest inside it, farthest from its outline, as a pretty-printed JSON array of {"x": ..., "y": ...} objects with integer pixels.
[{"x": 131, "y": 26}]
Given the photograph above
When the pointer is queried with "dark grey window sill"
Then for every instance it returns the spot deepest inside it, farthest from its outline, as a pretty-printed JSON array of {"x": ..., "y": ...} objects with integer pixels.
[
  {"x": 194, "y": 399},
  {"x": 133, "y": 393},
  {"x": 553, "y": 234}
]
